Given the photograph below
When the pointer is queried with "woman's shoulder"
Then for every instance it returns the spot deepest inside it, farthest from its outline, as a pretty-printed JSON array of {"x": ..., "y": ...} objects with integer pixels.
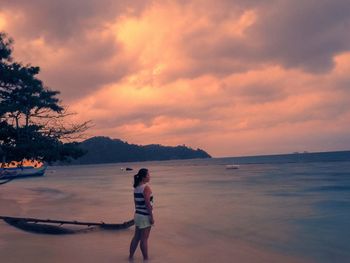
[{"x": 147, "y": 188}]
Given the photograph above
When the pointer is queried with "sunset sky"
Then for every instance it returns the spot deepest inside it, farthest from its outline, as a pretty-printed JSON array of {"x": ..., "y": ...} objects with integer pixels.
[{"x": 234, "y": 78}]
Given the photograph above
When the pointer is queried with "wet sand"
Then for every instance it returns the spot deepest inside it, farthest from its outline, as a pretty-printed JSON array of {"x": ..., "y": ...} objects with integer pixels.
[
  {"x": 257, "y": 214},
  {"x": 52, "y": 198}
]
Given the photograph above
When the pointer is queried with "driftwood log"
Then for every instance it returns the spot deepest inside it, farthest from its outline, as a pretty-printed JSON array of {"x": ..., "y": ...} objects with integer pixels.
[{"x": 54, "y": 227}]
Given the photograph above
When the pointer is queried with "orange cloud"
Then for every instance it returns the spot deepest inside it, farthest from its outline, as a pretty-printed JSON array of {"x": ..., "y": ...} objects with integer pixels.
[
  {"x": 184, "y": 112},
  {"x": 2, "y": 22}
]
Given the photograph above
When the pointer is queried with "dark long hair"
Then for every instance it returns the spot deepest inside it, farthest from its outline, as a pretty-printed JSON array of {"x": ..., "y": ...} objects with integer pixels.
[{"x": 139, "y": 176}]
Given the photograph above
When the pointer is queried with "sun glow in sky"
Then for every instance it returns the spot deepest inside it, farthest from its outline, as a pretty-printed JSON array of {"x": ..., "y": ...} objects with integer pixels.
[
  {"x": 2, "y": 22},
  {"x": 230, "y": 77}
]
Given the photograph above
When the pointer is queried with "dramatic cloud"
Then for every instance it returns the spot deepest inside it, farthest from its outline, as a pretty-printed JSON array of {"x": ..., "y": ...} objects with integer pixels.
[
  {"x": 58, "y": 21},
  {"x": 72, "y": 41},
  {"x": 232, "y": 77},
  {"x": 304, "y": 34}
]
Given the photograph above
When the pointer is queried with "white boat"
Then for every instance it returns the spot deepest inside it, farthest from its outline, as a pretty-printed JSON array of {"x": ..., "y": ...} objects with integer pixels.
[
  {"x": 21, "y": 172},
  {"x": 232, "y": 166}
]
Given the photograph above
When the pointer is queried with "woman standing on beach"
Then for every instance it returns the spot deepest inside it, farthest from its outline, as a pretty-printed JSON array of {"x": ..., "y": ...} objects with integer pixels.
[{"x": 143, "y": 213}]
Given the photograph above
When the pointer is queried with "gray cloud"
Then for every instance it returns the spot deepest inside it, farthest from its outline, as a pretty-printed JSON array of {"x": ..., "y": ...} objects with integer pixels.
[
  {"x": 88, "y": 65},
  {"x": 60, "y": 20},
  {"x": 89, "y": 61},
  {"x": 261, "y": 93},
  {"x": 304, "y": 34},
  {"x": 295, "y": 34}
]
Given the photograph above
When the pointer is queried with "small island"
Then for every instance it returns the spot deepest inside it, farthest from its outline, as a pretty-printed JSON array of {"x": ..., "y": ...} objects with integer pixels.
[{"x": 106, "y": 150}]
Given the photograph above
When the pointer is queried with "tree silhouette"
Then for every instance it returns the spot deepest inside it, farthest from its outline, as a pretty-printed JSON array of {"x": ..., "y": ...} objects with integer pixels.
[{"x": 32, "y": 119}]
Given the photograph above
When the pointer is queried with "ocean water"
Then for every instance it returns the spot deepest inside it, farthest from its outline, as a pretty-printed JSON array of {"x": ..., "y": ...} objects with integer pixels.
[{"x": 266, "y": 211}]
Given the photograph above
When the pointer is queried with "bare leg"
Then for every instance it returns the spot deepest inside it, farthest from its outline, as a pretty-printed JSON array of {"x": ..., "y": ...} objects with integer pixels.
[
  {"x": 144, "y": 242},
  {"x": 134, "y": 242}
]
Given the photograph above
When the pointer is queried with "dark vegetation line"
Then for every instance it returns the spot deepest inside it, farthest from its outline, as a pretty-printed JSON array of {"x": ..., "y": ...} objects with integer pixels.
[{"x": 106, "y": 150}]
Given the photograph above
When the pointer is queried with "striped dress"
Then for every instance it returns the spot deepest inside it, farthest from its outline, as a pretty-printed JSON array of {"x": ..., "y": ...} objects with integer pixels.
[{"x": 139, "y": 199}]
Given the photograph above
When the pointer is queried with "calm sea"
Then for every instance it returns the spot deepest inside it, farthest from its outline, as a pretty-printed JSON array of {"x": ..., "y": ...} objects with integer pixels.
[{"x": 290, "y": 208}]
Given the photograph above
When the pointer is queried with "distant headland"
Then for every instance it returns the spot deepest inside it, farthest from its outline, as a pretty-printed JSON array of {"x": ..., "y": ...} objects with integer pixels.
[{"x": 106, "y": 150}]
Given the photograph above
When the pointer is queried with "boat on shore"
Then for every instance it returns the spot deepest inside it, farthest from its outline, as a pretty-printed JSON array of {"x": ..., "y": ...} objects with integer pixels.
[
  {"x": 232, "y": 166},
  {"x": 54, "y": 227},
  {"x": 21, "y": 172}
]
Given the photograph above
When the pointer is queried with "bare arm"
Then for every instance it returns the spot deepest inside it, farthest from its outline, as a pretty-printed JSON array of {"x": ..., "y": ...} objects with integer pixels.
[{"x": 147, "y": 194}]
